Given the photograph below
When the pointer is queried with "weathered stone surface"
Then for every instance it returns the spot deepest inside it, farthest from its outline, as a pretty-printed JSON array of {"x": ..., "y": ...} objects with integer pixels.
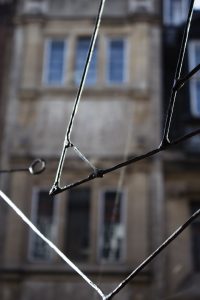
[
  {"x": 100, "y": 128},
  {"x": 112, "y": 122}
]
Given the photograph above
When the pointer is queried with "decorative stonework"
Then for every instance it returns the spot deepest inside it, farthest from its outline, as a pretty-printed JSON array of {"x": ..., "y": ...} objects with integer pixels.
[{"x": 140, "y": 6}]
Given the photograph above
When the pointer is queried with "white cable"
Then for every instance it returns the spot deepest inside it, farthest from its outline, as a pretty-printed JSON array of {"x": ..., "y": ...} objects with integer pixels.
[{"x": 47, "y": 241}]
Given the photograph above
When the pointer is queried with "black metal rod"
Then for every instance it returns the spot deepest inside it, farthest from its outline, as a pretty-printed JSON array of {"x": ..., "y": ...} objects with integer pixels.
[
  {"x": 67, "y": 141},
  {"x": 180, "y": 83},
  {"x": 165, "y": 138},
  {"x": 101, "y": 172},
  {"x": 153, "y": 255},
  {"x": 36, "y": 167}
]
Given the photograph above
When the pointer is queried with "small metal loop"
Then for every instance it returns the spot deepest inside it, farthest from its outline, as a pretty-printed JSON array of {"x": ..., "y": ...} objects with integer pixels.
[{"x": 37, "y": 166}]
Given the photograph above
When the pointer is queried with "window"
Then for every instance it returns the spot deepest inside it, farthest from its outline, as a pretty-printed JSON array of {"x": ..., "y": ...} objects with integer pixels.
[
  {"x": 112, "y": 227},
  {"x": 116, "y": 61},
  {"x": 175, "y": 11},
  {"x": 78, "y": 224},
  {"x": 195, "y": 235},
  {"x": 82, "y": 48},
  {"x": 54, "y": 62},
  {"x": 43, "y": 218},
  {"x": 197, "y": 5},
  {"x": 193, "y": 144},
  {"x": 194, "y": 60}
]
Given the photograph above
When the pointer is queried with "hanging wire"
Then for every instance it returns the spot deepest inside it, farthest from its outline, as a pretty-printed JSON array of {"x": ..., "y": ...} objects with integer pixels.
[
  {"x": 116, "y": 207},
  {"x": 36, "y": 167},
  {"x": 49, "y": 243},
  {"x": 153, "y": 255},
  {"x": 99, "y": 173},
  {"x": 178, "y": 81},
  {"x": 78, "y": 271},
  {"x": 166, "y": 143},
  {"x": 67, "y": 141}
]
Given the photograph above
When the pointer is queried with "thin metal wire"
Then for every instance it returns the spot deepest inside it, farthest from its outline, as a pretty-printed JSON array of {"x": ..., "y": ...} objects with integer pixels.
[
  {"x": 50, "y": 243},
  {"x": 165, "y": 143},
  {"x": 36, "y": 167},
  {"x": 132, "y": 275},
  {"x": 67, "y": 141},
  {"x": 116, "y": 207},
  {"x": 165, "y": 139},
  {"x": 181, "y": 81},
  {"x": 84, "y": 158},
  {"x": 154, "y": 254},
  {"x": 101, "y": 172}
]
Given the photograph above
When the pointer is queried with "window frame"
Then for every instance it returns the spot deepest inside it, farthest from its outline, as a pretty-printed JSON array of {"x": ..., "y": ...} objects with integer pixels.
[
  {"x": 101, "y": 225},
  {"x": 46, "y": 60},
  {"x": 33, "y": 216},
  {"x": 192, "y": 90},
  {"x": 126, "y": 61},
  {"x": 166, "y": 13}
]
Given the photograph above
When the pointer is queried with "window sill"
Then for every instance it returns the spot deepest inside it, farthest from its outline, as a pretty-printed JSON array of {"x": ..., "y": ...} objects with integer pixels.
[
  {"x": 61, "y": 269},
  {"x": 98, "y": 91}
]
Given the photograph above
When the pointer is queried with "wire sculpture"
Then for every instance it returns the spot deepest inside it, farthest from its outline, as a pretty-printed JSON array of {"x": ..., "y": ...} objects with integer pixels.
[
  {"x": 132, "y": 275},
  {"x": 67, "y": 141},
  {"x": 48, "y": 242},
  {"x": 165, "y": 144},
  {"x": 36, "y": 167},
  {"x": 179, "y": 82}
]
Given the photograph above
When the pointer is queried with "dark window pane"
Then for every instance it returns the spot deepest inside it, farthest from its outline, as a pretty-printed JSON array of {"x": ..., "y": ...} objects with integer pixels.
[
  {"x": 198, "y": 96},
  {"x": 112, "y": 226},
  {"x": 56, "y": 62},
  {"x": 44, "y": 222},
  {"x": 78, "y": 221},
  {"x": 116, "y": 61},
  {"x": 197, "y": 55}
]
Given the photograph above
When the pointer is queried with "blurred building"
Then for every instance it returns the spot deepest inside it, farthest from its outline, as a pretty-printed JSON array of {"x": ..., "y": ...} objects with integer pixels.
[
  {"x": 119, "y": 117},
  {"x": 7, "y": 10},
  {"x": 181, "y": 164},
  {"x": 6, "y": 26}
]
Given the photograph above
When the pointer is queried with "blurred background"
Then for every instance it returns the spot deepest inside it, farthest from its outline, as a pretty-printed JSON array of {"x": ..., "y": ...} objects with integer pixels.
[{"x": 109, "y": 225}]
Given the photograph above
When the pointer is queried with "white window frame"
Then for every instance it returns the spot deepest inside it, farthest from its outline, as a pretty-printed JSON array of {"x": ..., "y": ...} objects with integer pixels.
[
  {"x": 47, "y": 47},
  {"x": 125, "y": 59},
  {"x": 32, "y": 235},
  {"x": 167, "y": 9},
  {"x": 101, "y": 226},
  {"x": 192, "y": 63}
]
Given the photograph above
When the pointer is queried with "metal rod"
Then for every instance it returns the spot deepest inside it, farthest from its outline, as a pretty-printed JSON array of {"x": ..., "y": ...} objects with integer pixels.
[
  {"x": 154, "y": 254},
  {"x": 50, "y": 243},
  {"x": 165, "y": 138},
  {"x": 36, "y": 167},
  {"x": 101, "y": 172},
  {"x": 67, "y": 141}
]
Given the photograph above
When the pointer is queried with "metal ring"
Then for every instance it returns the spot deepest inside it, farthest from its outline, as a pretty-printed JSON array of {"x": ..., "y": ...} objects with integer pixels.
[{"x": 37, "y": 166}]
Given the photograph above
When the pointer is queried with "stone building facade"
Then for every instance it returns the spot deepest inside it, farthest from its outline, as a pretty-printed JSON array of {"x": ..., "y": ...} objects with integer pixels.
[
  {"x": 7, "y": 11},
  {"x": 119, "y": 117},
  {"x": 181, "y": 164}
]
